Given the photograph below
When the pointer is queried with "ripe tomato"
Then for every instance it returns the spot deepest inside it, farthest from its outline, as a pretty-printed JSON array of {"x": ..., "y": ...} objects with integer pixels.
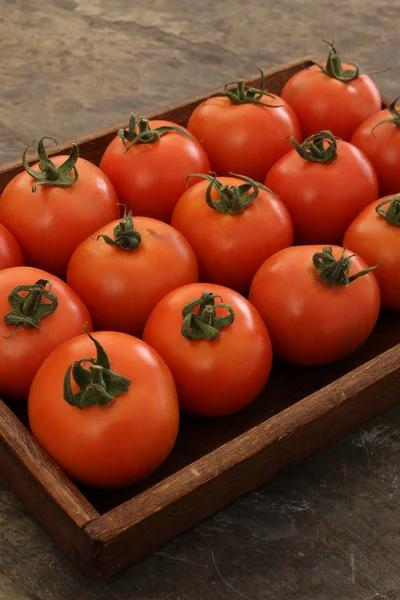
[
  {"x": 119, "y": 424},
  {"x": 379, "y": 138},
  {"x": 233, "y": 224},
  {"x": 314, "y": 311},
  {"x": 52, "y": 221},
  {"x": 10, "y": 252},
  {"x": 334, "y": 97},
  {"x": 244, "y": 130},
  {"x": 148, "y": 165},
  {"x": 219, "y": 354},
  {"x": 44, "y": 312},
  {"x": 121, "y": 281},
  {"x": 324, "y": 184},
  {"x": 375, "y": 235}
]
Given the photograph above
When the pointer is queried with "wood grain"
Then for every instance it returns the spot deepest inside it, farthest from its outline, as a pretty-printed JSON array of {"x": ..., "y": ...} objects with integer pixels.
[
  {"x": 44, "y": 488},
  {"x": 214, "y": 460}
]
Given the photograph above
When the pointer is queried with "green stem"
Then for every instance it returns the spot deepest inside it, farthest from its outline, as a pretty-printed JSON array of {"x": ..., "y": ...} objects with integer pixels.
[
  {"x": 98, "y": 385},
  {"x": 392, "y": 212},
  {"x": 233, "y": 199},
  {"x": 49, "y": 174},
  {"x": 240, "y": 93},
  {"x": 320, "y": 147},
  {"x": 334, "y": 67},
  {"x": 200, "y": 320},
  {"x": 336, "y": 272},
  {"x": 395, "y": 120},
  {"x": 140, "y": 132},
  {"x": 29, "y": 305},
  {"x": 126, "y": 237}
]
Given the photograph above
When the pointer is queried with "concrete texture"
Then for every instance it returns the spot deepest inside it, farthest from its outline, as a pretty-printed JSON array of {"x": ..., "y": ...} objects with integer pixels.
[{"x": 327, "y": 529}]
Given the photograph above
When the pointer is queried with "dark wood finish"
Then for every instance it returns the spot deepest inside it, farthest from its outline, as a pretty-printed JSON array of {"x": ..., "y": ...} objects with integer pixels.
[
  {"x": 139, "y": 526},
  {"x": 215, "y": 460},
  {"x": 44, "y": 488}
]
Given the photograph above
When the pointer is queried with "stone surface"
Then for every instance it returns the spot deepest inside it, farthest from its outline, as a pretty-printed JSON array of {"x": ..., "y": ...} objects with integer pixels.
[{"x": 327, "y": 529}]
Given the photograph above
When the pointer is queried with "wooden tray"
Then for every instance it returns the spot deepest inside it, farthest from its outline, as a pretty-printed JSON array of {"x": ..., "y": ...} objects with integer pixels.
[{"x": 214, "y": 461}]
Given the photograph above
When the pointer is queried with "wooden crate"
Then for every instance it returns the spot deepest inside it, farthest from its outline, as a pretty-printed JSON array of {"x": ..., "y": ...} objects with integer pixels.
[{"x": 214, "y": 461}]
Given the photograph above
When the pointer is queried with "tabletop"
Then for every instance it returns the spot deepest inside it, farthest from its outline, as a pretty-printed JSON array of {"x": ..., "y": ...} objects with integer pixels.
[{"x": 327, "y": 528}]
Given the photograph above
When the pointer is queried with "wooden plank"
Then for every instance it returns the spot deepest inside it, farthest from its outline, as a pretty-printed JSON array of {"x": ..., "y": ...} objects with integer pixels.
[
  {"x": 44, "y": 488},
  {"x": 142, "y": 524},
  {"x": 92, "y": 145}
]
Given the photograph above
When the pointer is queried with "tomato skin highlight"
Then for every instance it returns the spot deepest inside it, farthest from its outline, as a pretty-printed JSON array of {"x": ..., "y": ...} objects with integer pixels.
[
  {"x": 323, "y": 199},
  {"x": 107, "y": 446},
  {"x": 231, "y": 247},
  {"x": 23, "y": 353},
  {"x": 218, "y": 377},
  {"x": 373, "y": 238},
  {"x": 120, "y": 288},
  {"x": 310, "y": 322},
  {"x": 323, "y": 103},
  {"x": 150, "y": 178},
  {"x": 244, "y": 138},
  {"x": 50, "y": 223},
  {"x": 10, "y": 251},
  {"x": 382, "y": 148}
]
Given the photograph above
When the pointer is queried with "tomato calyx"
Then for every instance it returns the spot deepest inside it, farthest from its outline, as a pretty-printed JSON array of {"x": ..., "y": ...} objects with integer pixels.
[
  {"x": 233, "y": 199},
  {"x": 140, "y": 132},
  {"x": 240, "y": 93},
  {"x": 49, "y": 174},
  {"x": 204, "y": 323},
  {"x": 29, "y": 305},
  {"x": 320, "y": 147},
  {"x": 334, "y": 67},
  {"x": 126, "y": 237},
  {"x": 98, "y": 385},
  {"x": 395, "y": 120},
  {"x": 336, "y": 272},
  {"x": 392, "y": 212}
]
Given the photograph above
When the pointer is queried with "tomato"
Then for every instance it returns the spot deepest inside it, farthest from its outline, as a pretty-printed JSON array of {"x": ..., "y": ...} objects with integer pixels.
[
  {"x": 216, "y": 345},
  {"x": 324, "y": 184},
  {"x": 375, "y": 235},
  {"x": 379, "y": 138},
  {"x": 117, "y": 433},
  {"x": 233, "y": 225},
  {"x": 335, "y": 97},
  {"x": 34, "y": 320},
  {"x": 240, "y": 135},
  {"x": 52, "y": 221},
  {"x": 148, "y": 165},
  {"x": 316, "y": 313},
  {"x": 124, "y": 270},
  {"x": 10, "y": 252}
]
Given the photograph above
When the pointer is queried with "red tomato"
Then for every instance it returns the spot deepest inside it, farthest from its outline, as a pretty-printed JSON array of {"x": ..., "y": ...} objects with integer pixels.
[
  {"x": 10, "y": 252},
  {"x": 379, "y": 138},
  {"x": 241, "y": 136},
  {"x": 323, "y": 197},
  {"x": 40, "y": 331},
  {"x": 52, "y": 221},
  {"x": 233, "y": 226},
  {"x": 335, "y": 97},
  {"x": 312, "y": 322},
  {"x": 121, "y": 286},
  {"x": 376, "y": 237},
  {"x": 150, "y": 175},
  {"x": 109, "y": 445},
  {"x": 223, "y": 372}
]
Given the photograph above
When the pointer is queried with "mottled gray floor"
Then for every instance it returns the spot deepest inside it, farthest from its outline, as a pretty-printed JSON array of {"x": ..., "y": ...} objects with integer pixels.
[{"x": 327, "y": 529}]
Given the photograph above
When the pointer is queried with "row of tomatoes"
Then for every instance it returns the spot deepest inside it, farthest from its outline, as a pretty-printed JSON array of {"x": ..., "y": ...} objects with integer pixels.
[{"x": 113, "y": 419}]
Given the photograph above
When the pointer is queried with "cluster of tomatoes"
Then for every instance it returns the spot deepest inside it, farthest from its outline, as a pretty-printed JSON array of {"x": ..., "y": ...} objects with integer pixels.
[{"x": 168, "y": 277}]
